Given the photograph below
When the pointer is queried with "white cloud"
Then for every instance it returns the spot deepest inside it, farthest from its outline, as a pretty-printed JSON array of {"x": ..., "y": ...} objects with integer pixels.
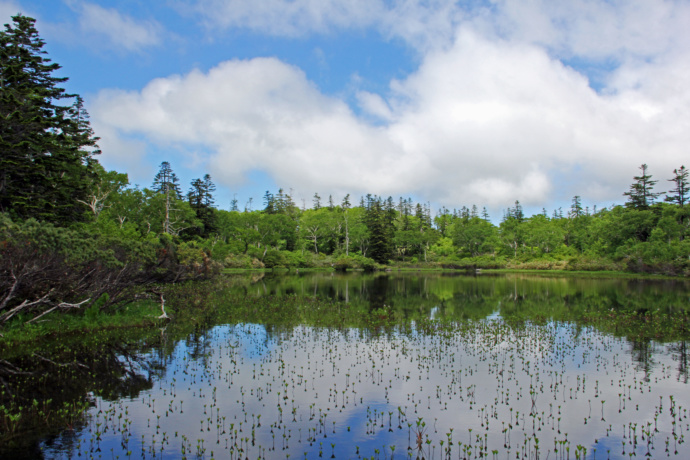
[
  {"x": 484, "y": 122},
  {"x": 286, "y": 18},
  {"x": 257, "y": 114},
  {"x": 489, "y": 117},
  {"x": 7, "y": 10},
  {"x": 374, "y": 104},
  {"x": 120, "y": 30},
  {"x": 597, "y": 29}
]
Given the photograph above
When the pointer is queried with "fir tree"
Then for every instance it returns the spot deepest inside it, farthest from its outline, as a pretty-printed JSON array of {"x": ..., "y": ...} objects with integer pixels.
[
  {"x": 166, "y": 182},
  {"x": 378, "y": 221},
  {"x": 200, "y": 197},
  {"x": 346, "y": 202},
  {"x": 485, "y": 214},
  {"x": 576, "y": 207},
  {"x": 640, "y": 195},
  {"x": 269, "y": 203},
  {"x": 47, "y": 164},
  {"x": 680, "y": 193}
]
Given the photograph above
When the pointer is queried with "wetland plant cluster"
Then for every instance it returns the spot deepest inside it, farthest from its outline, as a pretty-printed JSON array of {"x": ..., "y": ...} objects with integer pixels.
[
  {"x": 365, "y": 367},
  {"x": 476, "y": 389}
]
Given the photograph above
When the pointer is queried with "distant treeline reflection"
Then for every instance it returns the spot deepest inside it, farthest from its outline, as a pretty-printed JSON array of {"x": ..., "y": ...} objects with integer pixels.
[{"x": 454, "y": 295}]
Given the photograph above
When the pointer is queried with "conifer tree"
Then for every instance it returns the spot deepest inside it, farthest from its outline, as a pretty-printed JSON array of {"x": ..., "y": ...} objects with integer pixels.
[
  {"x": 269, "y": 203},
  {"x": 345, "y": 206},
  {"x": 378, "y": 221},
  {"x": 166, "y": 181},
  {"x": 680, "y": 193},
  {"x": 576, "y": 207},
  {"x": 47, "y": 163},
  {"x": 201, "y": 200},
  {"x": 209, "y": 189},
  {"x": 640, "y": 195},
  {"x": 485, "y": 214}
]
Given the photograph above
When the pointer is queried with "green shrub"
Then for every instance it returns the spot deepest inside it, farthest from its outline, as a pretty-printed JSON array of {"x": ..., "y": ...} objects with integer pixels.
[
  {"x": 343, "y": 263},
  {"x": 589, "y": 263},
  {"x": 274, "y": 259},
  {"x": 242, "y": 261}
]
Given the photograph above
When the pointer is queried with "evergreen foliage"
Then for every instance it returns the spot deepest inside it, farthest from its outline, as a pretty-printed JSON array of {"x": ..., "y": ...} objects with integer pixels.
[
  {"x": 47, "y": 148},
  {"x": 640, "y": 195},
  {"x": 200, "y": 197},
  {"x": 166, "y": 181},
  {"x": 679, "y": 195}
]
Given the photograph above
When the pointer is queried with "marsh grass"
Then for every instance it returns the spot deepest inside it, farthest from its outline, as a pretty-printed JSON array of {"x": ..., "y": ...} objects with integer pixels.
[{"x": 246, "y": 368}]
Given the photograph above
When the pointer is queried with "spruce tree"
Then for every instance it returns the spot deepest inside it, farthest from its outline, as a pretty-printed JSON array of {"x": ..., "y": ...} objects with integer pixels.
[
  {"x": 576, "y": 206},
  {"x": 377, "y": 219},
  {"x": 485, "y": 214},
  {"x": 166, "y": 181},
  {"x": 640, "y": 195},
  {"x": 680, "y": 193},
  {"x": 47, "y": 163},
  {"x": 209, "y": 190},
  {"x": 200, "y": 197},
  {"x": 269, "y": 203}
]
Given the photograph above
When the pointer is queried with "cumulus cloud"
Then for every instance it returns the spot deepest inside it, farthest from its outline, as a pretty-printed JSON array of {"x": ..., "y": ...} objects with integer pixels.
[
  {"x": 482, "y": 122},
  {"x": 7, "y": 10},
  {"x": 423, "y": 24},
  {"x": 492, "y": 116},
  {"x": 260, "y": 114},
  {"x": 120, "y": 31},
  {"x": 283, "y": 18},
  {"x": 595, "y": 28},
  {"x": 605, "y": 31}
]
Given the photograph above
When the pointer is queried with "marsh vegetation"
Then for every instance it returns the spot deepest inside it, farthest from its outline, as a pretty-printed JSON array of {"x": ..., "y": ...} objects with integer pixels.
[{"x": 356, "y": 366}]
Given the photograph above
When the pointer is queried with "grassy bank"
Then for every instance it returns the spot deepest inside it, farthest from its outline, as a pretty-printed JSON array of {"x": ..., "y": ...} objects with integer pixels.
[
  {"x": 200, "y": 303},
  {"x": 17, "y": 333}
]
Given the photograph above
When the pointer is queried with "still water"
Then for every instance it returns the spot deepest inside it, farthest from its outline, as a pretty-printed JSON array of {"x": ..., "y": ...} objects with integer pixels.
[{"x": 397, "y": 366}]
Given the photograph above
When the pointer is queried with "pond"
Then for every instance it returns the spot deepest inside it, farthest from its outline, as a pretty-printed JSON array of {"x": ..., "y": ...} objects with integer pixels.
[{"x": 395, "y": 365}]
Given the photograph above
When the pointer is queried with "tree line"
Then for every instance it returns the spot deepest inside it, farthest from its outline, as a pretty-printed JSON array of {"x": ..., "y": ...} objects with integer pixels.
[
  {"x": 645, "y": 234},
  {"x": 73, "y": 234}
]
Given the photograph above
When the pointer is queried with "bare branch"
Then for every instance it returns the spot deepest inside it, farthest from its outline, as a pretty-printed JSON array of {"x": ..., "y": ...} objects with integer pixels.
[
  {"x": 42, "y": 358},
  {"x": 164, "y": 315},
  {"x": 97, "y": 202},
  {"x": 60, "y": 305},
  {"x": 26, "y": 304}
]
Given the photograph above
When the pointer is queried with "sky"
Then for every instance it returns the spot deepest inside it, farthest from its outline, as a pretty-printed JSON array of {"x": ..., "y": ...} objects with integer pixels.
[{"x": 451, "y": 103}]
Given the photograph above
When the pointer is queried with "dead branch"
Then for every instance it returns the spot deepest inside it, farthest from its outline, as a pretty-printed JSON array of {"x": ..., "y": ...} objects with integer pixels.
[
  {"x": 160, "y": 294},
  {"x": 9, "y": 368},
  {"x": 64, "y": 305},
  {"x": 10, "y": 294},
  {"x": 26, "y": 304},
  {"x": 50, "y": 361}
]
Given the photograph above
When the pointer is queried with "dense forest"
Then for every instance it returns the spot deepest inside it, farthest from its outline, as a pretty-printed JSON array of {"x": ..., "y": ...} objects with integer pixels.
[
  {"x": 643, "y": 236},
  {"x": 75, "y": 235}
]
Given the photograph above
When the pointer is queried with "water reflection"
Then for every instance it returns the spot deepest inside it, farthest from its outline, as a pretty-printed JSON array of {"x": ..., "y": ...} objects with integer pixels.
[
  {"x": 459, "y": 296},
  {"x": 521, "y": 365}
]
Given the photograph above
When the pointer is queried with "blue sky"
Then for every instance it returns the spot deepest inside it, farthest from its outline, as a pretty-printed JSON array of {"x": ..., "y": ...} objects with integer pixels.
[{"x": 452, "y": 103}]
